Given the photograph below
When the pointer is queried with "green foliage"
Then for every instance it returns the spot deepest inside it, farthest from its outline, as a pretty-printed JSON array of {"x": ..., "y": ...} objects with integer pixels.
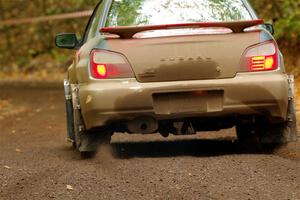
[
  {"x": 21, "y": 46},
  {"x": 285, "y": 14},
  {"x": 126, "y": 12},
  {"x": 145, "y": 12}
]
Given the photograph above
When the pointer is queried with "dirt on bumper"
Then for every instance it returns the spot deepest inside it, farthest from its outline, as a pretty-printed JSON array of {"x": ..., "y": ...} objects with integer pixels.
[{"x": 246, "y": 94}]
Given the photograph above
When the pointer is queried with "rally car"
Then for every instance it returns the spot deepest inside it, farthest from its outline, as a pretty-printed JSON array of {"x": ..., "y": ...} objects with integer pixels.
[{"x": 177, "y": 67}]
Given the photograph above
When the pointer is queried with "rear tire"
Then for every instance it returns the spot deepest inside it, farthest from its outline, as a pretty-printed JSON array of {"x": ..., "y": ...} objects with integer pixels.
[
  {"x": 87, "y": 142},
  {"x": 269, "y": 136},
  {"x": 247, "y": 134},
  {"x": 90, "y": 142},
  {"x": 87, "y": 154}
]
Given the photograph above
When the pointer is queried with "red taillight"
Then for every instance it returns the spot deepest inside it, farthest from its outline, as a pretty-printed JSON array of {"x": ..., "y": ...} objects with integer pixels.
[
  {"x": 261, "y": 57},
  {"x": 99, "y": 71},
  {"x": 109, "y": 65}
]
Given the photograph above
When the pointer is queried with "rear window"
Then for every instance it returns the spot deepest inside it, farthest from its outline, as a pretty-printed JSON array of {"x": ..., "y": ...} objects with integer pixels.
[{"x": 155, "y": 12}]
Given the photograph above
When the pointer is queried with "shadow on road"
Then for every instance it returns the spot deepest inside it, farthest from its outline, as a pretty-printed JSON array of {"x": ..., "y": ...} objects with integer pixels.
[{"x": 195, "y": 147}]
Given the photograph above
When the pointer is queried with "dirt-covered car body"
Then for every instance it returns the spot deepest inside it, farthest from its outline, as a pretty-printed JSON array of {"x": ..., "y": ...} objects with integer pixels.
[{"x": 175, "y": 77}]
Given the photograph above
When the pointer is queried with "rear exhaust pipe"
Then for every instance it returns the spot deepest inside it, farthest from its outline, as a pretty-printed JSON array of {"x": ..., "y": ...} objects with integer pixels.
[{"x": 144, "y": 125}]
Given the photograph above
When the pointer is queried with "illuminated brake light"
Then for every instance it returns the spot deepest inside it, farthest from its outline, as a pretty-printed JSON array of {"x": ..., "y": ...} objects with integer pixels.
[
  {"x": 262, "y": 57},
  {"x": 261, "y": 63},
  {"x": 269, "y": 62},
  {"x": 100, "y": 71},
  {"x": 109, "y": 65}
]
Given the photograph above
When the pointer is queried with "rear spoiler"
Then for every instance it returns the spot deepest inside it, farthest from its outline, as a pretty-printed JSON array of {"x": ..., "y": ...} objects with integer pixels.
[{"x": 127, "y": 32}]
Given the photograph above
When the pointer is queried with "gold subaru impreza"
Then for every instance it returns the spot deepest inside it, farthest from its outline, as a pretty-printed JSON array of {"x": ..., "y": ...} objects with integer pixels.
[{"x": 177, "y": 67}]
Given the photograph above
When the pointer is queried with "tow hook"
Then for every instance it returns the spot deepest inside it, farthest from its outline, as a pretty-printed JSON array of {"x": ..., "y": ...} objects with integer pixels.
[{"x": 184, "y": 128}]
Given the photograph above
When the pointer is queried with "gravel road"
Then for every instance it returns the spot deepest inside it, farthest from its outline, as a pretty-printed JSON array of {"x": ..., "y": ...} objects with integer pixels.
[{"x": 37, "y": 163}]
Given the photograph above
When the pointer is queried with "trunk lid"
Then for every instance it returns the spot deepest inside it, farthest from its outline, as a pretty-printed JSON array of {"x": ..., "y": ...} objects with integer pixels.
[{"x": 184, "y": 57}]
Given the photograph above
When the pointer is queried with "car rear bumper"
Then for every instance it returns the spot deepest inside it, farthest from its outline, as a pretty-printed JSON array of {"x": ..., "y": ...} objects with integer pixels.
[{"x": 103, "y": 101}]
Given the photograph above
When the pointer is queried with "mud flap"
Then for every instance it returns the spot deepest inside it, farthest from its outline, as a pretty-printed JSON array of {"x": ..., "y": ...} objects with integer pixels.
[
  {"x": 79, "y": 128},
  {"x": 85, "y": 141},
  {"x": 69, "y": 112},
  {"x": 287, "y": 131},
  {"x": 290, "y": 129}
]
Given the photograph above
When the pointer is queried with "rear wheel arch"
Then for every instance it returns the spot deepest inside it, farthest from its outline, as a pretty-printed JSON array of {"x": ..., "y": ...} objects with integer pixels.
[{"x": 276, "y": 135}]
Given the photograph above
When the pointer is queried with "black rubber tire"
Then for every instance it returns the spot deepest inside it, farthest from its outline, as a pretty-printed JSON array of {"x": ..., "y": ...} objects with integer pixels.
[
  {"x": 87, "y": 154},
  {"x": 90, "y": 142},
  {"x": 250, "y": 137},
  {"x": 87, "y": 141},
  {"x": 269, "y": 136},
  {"x": 246, "y": 134}
]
